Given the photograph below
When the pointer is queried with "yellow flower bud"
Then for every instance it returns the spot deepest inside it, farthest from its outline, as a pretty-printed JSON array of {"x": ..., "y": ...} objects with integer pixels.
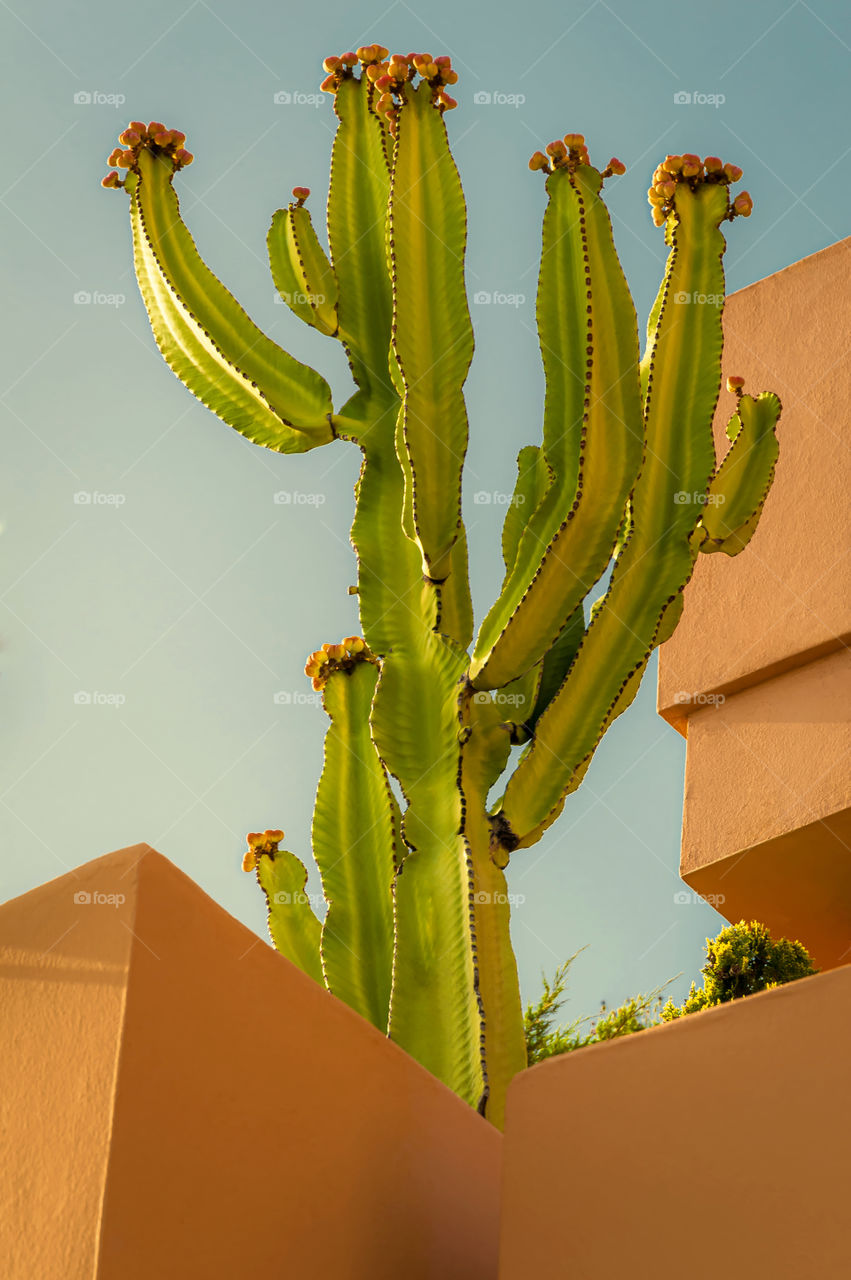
[
  {"x": 331, "y": 64},
  {"x": 539, "y": 161},
  {"x": 576, "y": 140},
  {"x": 735, "y": 384},
  {"x": 743, "y": 204},
  {"x": 713, "y": 165},
  {"x": 659, "y": 218},
  {"x": 733, "y": 172},
  {"x": 249, "y": 860},
  {"x": 616, "y": 166},
  {"x": 274, "y": 836}
]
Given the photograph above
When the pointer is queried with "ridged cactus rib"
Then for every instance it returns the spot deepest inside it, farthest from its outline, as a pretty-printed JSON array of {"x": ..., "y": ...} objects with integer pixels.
[
  {"x": 357, "y": 212},
  {"x": 293, "y": 927},
  {"x": 740, "y": 486},
  {"x": 355, "y": 833},
  {"x": 303, "y": 276},
  {"x": 434, "y": 1011},
  {"x": 483, "y": 758},
  {"x": 683, "y": 363},
  {"x": 206, "y": 337},
  {"x": 592, "y": 429},
  {"x": 416, "y": 937},
  {"x": 534, "y": 479},
  {"x": 432, "y": 332}
]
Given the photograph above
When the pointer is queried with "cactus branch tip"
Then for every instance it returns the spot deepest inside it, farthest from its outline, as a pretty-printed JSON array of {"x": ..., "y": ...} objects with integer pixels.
[
  {"x": 689, "y": 171},
  {"x": 260, "y": 842},
  {"x": 337, "y": 657},
  {"x": 154, "y": 137},
  {"x": 388, "y": 75},
  {"x": 569, "y": 153}
]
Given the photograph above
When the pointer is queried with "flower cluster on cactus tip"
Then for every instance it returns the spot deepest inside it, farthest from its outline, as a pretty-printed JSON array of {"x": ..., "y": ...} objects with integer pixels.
[
  {"x": 691, "y": 171},
  {"x": 568, "y": 153},
  {"x": 157, "y": 138},
  {"x": 260, "y": 842},
  {"x": 337, "y": 657},
  {"x": 387, "y": 77}
]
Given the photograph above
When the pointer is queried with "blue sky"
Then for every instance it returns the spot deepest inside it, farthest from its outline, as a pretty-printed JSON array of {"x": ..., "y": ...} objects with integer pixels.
[{"x": 181, "y": 597}]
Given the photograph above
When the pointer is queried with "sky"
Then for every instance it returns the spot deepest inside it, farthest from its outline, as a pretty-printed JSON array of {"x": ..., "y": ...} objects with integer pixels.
[{"x": 158, "y": 602}]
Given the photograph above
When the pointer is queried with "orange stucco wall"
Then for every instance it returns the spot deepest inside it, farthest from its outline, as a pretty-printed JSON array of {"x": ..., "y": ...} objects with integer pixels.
[
  {"x": 184, "y": 1103},
  {"x": 63, "y": 975},
  {"x": 715, "y": 1146},
  {"x": 758, "y": 674},
  {"x": 787, "y": 598}
]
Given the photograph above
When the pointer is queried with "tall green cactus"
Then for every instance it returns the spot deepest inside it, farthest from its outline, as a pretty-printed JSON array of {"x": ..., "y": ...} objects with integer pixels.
[{"x": 416, "y": 934}]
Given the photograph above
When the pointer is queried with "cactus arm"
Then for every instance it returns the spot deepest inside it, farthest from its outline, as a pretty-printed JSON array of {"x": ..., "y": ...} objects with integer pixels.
[
  {"x": 682, "y": 376},
  {"x": 206, "y": 337},
  {"x": 534, "y": 478},
  {"x": 484, "y": 756},
  {"x": 303, "y": 276},
  {"x": 557, "y": 662},
  {"x": 741, "y": 483},
  {"x": 455, "y": 605},
  {"x": 432, "y": 332},
  {"x": 293, "y": 927},
  {"x": 355, "y": 825},
  {"x": 392, "y": 597},
  {"x": 434, "y": 1009},
  {"x": 357, "y": 211},
  {"x": 592, "y": 430}
]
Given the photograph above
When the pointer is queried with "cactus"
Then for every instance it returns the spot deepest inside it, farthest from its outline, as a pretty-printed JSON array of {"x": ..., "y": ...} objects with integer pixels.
[{"x": 416, "y": 935}]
